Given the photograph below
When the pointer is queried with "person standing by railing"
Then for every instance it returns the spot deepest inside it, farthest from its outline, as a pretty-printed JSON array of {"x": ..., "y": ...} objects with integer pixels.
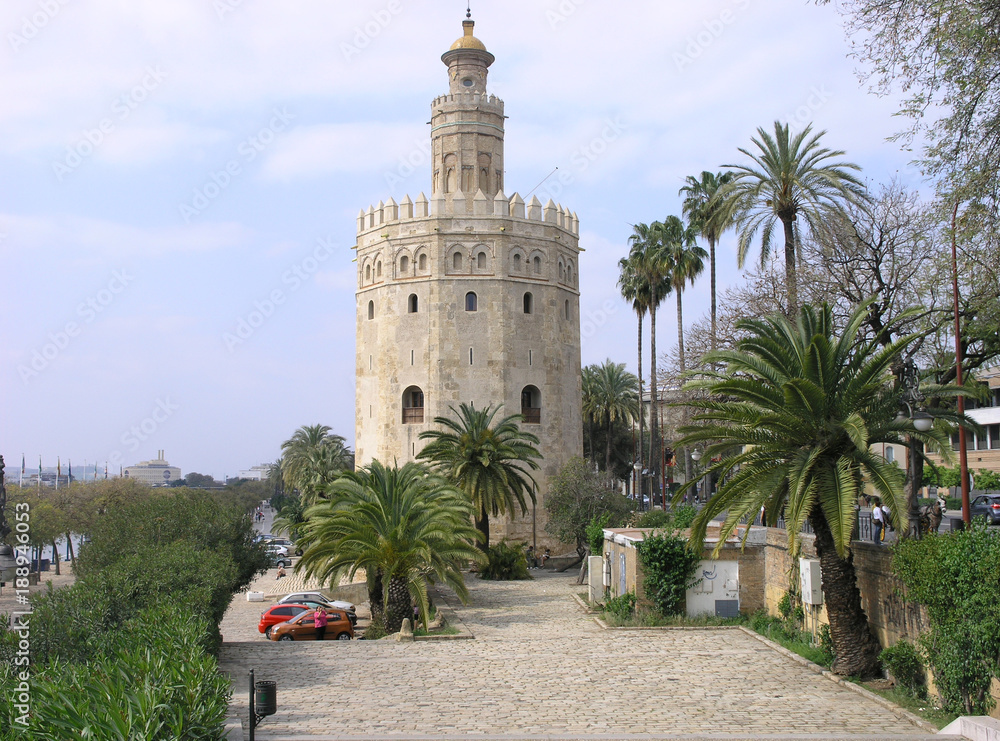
[{"x": 878, "y": 522}]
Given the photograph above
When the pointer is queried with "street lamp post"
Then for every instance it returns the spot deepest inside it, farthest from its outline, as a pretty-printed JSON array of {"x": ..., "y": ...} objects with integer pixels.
[
  {"x": 696, "y": 457},
  {"x": 637, "y": 468},
  {"x": 922, "y": 422}
]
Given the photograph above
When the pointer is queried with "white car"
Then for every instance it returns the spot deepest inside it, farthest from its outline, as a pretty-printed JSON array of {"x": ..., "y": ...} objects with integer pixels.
[
  {"x": 298, "y": 597},
  {"x": 277, "y": 550}
]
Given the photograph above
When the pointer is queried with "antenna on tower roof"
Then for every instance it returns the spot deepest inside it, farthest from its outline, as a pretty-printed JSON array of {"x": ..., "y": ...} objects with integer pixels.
[{"x": 468, "y": 9}]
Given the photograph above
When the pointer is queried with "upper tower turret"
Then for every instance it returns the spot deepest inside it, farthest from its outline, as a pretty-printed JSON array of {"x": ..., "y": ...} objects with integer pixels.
[{"x": 467, "y": 124}]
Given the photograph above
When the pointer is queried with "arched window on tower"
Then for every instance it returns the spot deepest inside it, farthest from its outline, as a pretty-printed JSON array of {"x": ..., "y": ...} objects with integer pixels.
[
  {"x": 567, "y": 309},
  {"x": 528, "y": 303},
  {"x": 481, "y": 261},
  {"x": 538, "y": 265},
  {"x": 371, "y": 309},
  {"x": 378, "y": 269},
  {"x": 456, "y": 261},
  {"x": 368, "y": 273},
  {"x": 471, "y": 302},
  {"x": 531, "y": 405},
  {"x": 422, "y": 262},
  {"x": 517, "y": 263},
  {"x": 411, "y": 304},
  {"x": 404, "y": 265},
  {"x": 413, "y": 406}
]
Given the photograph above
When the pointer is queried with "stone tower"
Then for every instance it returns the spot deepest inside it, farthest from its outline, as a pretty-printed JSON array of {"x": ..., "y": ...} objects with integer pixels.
[{"x": 472, "y": 296}]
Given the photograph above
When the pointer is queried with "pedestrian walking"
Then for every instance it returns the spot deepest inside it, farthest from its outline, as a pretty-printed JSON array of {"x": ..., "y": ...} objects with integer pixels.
[
  {"x": 320, "y": 622},
  {"x": 886, "y": 520},
  {"x": 878, "y": 524}
]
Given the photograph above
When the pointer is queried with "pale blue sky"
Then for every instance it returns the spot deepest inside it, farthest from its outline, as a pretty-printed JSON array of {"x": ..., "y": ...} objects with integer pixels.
[{"x": 131, "y": 255}]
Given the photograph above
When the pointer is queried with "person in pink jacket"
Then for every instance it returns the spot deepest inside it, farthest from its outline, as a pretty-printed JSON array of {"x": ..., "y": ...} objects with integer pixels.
[{"x": 320, "y": 622}]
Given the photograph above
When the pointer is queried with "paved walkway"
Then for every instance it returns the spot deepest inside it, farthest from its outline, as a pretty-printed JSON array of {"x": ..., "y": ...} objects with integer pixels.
[{"x": 539, "y": 667}]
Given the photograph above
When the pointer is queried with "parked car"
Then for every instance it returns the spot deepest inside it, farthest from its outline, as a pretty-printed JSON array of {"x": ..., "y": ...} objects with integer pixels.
[
  {"x": 314, "y": 596},
  {"x": 302, "y": 628},
  {"x": 278, "y": 614},
  {"x": 986, "y": 506},
  {"x": 277, "y": 550},
  {"x": 313, "y": 604}
]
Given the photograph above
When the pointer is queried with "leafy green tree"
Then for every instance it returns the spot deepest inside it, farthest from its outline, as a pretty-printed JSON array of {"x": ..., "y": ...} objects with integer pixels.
[
  {"x": 684, "y": 263},
  {"x": 669, "y": 569},
  {"x": 702, "y": 208},
  {"x": 312, "y": 458},
  {"x": 955, "y": 577},
  {"x": 635, "y": 288},
  {"x": 489, "y": 462},
  {"x": 792, "y": 416},
  {"x": 790, "y": 180},
  {"x": 291, "y": 517},
  {"x": 405, "y": 524},
  {"x": 651, "y": 272},
  {"x": 200, "y": 481},
  {"x": 611, "y": 396},
  {"x": 945, "y": 56},
  {"x": 577, "y": 495}
]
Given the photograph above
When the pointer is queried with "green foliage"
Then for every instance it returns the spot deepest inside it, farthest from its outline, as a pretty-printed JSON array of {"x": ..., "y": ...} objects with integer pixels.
[
  {"x": 595, "y": 533},
  {"x": 402, "y": 523},
  {"x": 149, "y": 679},
  {"x": 785, "y": 605},
  {"x": 955, "y": 577},
  {"x": 904, "y": 663},
  {"x": 669, "y": 568},
  {"x": 684, "y": 515},
  {"x": 622, "y": 606},
  {"x": 791, "y": 637},
  {"x": 576, "y": 496},
  {"x": 505, "y": 562},
  {"x": 987, "y": 479},
  {"x": 655, "y": 518},
  {"x": 826, "y": 645},
  {"x": 490, "y": 463}
]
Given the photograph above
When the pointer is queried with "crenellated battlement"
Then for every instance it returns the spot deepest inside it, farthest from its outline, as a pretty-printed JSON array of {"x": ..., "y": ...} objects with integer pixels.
[
  {"x": 470, "y": 100},
  {"x": 460, "y": 204}
]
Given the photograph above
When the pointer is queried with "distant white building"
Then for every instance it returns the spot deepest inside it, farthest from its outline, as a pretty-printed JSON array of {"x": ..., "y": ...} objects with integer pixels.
[
  {"x": 255, "y": 473},
  {"x": 155, "y": 473}
]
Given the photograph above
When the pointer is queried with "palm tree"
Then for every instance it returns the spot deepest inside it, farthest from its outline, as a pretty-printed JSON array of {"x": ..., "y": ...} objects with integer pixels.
[
  {"x": 589, "y": 390},
  {"x": 615, "y": 399},
  {"x": 684, "y": 261},
  {"x": 486, "y": 461},
  {"x": 651, "y": 269},
  {"x": 792, "y": 417},
  {"x": 789, "y": 177},
  {"x": 403, "y": 523},
  {"x": 634, "y": 288},
  {"x": 312, "y": 458},
  {"x": 702, "y": 209}
]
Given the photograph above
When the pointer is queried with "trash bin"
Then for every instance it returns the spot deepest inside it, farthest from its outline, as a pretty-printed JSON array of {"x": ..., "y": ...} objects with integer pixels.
[
  {"x": 265, "y": 698},
  {"x": 45, "y": 563}
]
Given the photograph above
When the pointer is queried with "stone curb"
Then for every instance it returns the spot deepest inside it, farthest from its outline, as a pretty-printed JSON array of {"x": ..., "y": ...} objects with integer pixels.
[{"x": 877, "y": 699}]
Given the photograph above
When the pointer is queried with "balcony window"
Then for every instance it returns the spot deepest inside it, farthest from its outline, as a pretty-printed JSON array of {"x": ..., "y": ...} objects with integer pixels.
[
  {"x": 413, "y": 406},
  {"x": 531, "y": 405}
]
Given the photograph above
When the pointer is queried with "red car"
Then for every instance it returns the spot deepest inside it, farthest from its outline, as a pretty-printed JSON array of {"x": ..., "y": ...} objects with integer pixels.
[
  {"x": 302, "y": 628},
  {"x": 279, "y": 614}
]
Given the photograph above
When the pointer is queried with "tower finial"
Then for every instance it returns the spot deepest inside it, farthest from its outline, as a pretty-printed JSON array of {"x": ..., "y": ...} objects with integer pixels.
[{"x": 468, "y": 9}]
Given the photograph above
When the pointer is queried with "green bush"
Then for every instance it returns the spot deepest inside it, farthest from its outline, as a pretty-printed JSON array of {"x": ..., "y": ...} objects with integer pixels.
[
  {"x": 622, "y": 606},
  {"x": 595, "y": 533},
  {"x": 905, "y": 665},
  {"x": 669, "y": 568},
  {"x": 655, "y": 518},
  {"x": 826, "y": 645},
  {"x": 683, "y": 516},
  {"x": 955, "y": 576},
  {"x": 785, "y": 605},
  {"x": 505, "y": 562},
  {"x": 153, "y": 681}
]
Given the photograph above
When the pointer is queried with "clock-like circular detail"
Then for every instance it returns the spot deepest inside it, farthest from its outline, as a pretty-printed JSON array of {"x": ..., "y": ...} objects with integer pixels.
[{"x": 468, "y": 82}]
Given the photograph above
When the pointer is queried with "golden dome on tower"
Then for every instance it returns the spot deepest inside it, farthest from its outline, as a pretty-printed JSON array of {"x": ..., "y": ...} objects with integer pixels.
[{"x": 468, "y": 41}]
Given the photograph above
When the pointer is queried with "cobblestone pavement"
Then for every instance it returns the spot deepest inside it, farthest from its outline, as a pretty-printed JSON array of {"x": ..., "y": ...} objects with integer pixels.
[{"x": 539, "y": 667}]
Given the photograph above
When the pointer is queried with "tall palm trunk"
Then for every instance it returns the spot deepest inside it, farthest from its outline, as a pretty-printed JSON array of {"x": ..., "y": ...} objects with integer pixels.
[
  {"x": 376, "y": 597},
  {"x": 683, "y": 367},
  {"x": 854, "y": 643},
  {"x": 711, "y": 260},
  {"x": 791, "y": 277},
  {"x": 654, "y": 443},
  {"x": 483, "y": 526},
  {"x": 642, "y": 420},
  {"x": 398, "y": 606},
  {"x": 72, "y": 552},
  {"x": 607, "y": 446}
]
